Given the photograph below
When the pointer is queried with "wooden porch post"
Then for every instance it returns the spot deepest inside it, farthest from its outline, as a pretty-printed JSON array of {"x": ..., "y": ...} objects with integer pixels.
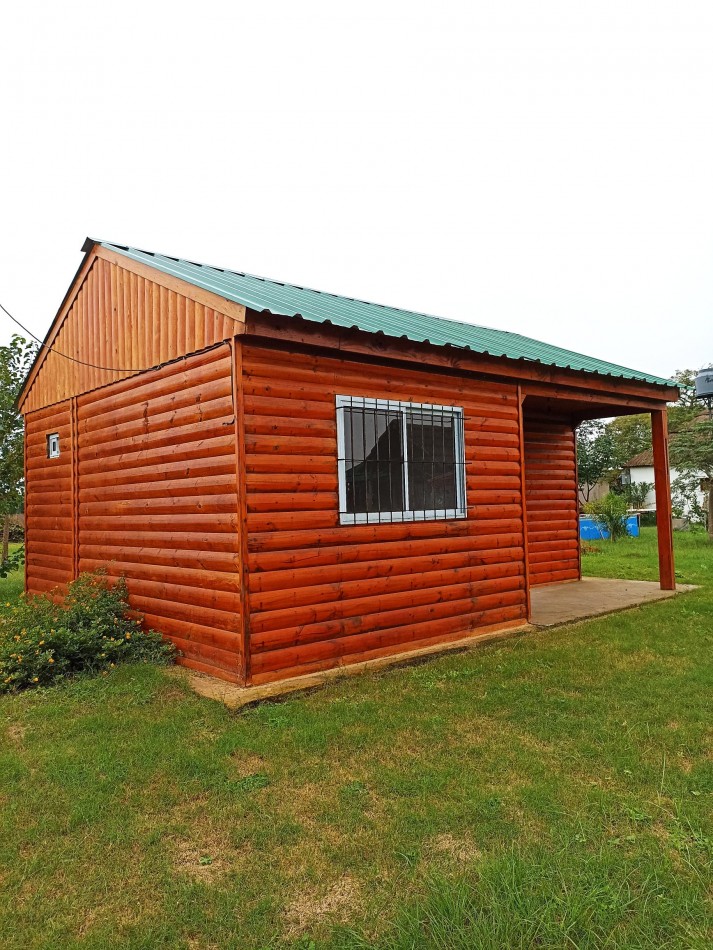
[{"x": 662, "y": 479}]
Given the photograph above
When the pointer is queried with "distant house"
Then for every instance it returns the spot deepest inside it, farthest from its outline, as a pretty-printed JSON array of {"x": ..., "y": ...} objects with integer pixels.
[{"x": 640, "y": 468}]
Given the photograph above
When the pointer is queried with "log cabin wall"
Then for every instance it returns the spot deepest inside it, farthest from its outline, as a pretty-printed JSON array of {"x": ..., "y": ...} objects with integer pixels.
[
  {"x": 49, "y": 508},
  {"x": 123, "y": 319},
  {"x": 321, "y": 593},
  {"x": 156, "y": 471},
  {"x": 551, "y": 501}
]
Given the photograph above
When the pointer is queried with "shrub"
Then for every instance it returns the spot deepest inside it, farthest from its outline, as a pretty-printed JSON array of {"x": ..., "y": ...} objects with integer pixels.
[
  {"x": 16, "y": 534},
  {"x": 636, "y": 493},
  {"x": 13, "y": 562},
  {"x": 89, "y": 631},
  {"x": 686, "y": 498},
  {"x": 609, "y": 513}
]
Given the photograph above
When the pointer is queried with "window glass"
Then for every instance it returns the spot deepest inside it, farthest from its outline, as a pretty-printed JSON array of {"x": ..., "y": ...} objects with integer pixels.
[
  {"x": 432, "y": 459},
  {"x": 399, "y": 461},
  {"x": 374, "y": 457}
]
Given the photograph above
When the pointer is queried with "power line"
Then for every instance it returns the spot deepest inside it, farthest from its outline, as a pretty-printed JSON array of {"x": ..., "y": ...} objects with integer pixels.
[{"x": 46, "y": 346}]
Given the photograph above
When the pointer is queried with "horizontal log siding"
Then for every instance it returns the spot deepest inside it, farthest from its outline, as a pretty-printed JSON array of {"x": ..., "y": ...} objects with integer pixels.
[
  {"x": 157, "y": 502},
  {"x": 322, "y": 594},
  {"x": 48, "y": 502},
  {"x": 551, "y": 501},
  {"x": 123, "y": 320}
]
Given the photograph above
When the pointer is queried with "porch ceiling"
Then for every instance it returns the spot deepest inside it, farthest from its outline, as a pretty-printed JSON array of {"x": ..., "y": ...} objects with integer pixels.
[{"x": 578, "y": 409}]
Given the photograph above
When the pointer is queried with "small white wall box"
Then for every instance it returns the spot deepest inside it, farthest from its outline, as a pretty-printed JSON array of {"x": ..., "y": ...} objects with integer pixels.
[{"x": 53, "y": 445}]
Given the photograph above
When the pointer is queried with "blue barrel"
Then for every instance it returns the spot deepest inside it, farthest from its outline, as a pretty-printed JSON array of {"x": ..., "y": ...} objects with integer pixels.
[{"x": 589, "y": 530}]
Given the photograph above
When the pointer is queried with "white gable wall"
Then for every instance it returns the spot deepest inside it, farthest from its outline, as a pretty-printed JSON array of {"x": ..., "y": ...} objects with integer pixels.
[{"x": 645, "y": 473}]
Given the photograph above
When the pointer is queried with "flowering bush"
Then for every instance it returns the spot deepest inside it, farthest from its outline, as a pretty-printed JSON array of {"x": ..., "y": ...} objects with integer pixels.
[{"x": 90, "y": 631}]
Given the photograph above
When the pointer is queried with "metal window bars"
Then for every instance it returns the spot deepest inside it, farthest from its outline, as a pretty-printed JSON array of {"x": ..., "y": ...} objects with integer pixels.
[{"x": 399, "y": 461}]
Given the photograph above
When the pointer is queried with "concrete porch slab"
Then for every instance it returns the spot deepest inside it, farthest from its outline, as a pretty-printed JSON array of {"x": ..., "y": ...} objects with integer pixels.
[{"x": 557, "y": 604}]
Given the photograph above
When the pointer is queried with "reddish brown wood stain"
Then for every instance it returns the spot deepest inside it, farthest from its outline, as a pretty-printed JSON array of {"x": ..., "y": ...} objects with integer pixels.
[
  {"x": 551, "y": 500},
  {"x": 120, "y": 318},
  {"x": 158, "y": 504},
  {"x": 210, "y": 482},
  {"x": 321, "y": 593}
]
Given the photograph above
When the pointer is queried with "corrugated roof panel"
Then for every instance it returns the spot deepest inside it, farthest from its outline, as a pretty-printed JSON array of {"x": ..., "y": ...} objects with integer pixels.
[{"x": 288, "y": 300}]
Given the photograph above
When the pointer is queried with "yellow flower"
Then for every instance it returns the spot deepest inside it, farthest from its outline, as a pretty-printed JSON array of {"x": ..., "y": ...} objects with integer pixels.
[
  {"x": 128, "y": 636},
  {"x": 51, "y": 660},
  {"x": 35, "y": 679}
]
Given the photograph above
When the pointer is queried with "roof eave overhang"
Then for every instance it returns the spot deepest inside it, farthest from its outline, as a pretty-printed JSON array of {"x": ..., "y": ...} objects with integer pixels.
[{"x": 310, "y": 332}]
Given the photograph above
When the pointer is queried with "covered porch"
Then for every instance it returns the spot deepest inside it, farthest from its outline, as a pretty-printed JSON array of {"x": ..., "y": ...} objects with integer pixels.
[{"x": 551, "y": 501}]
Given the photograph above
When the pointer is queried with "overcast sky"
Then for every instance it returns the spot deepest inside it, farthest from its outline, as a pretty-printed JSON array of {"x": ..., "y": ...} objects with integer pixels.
[{"x": 540, "y": 167}]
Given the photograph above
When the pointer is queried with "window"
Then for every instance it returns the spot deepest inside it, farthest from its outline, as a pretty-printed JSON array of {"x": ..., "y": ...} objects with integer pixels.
[
  {"x": 53, "y": 445},
  {"x": 399, "y": 461}
]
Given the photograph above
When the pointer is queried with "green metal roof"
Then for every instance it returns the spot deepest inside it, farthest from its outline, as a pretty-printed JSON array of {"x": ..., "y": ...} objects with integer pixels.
[{"x": 289, "y": 300}]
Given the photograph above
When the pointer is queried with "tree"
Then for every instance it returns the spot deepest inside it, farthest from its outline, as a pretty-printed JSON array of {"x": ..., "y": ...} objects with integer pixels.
[
  {"x": 636, "y": 493},
  {"x": 15, "y": 362},
  {"x": 688, "y": 407},
  {"x": 629, "y": 435},
  {"x": 692, "y": 452},
  {"x": 595, "y": 457}
]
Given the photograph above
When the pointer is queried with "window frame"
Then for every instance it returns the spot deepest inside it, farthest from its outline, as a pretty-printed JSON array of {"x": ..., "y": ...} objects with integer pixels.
[
  {"x": 52, "y": 444},
  {"x": 343, "y": 402}
]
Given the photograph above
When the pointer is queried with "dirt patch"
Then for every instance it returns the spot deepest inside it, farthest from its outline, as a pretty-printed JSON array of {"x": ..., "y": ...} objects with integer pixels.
[
  {"x": 338, "y": 903},
  {"x": 244, "y": 764},
  {"x": 645, "y": 658},
  {"x": 461, "y": 850},
  {"x": 171, "y": 692},
  {"x": 88, "y": 921},
  {"x": 199, "y": 863},
  {"x": 199, "y": 943},
  {"x": 16, "y": 733}
]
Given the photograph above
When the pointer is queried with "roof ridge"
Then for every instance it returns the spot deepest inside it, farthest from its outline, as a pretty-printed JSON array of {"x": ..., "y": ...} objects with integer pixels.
[{"x": 315, "y": 290}]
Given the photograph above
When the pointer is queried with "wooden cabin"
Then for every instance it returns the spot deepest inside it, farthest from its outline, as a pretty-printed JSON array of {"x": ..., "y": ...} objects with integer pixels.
[{"x": 292, "y": 480}]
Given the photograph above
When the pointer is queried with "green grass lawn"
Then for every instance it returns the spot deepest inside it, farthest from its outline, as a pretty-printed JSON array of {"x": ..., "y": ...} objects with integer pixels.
[
  {"x": 11, "y": 586},
  {"x": 550, "y": 791}
]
